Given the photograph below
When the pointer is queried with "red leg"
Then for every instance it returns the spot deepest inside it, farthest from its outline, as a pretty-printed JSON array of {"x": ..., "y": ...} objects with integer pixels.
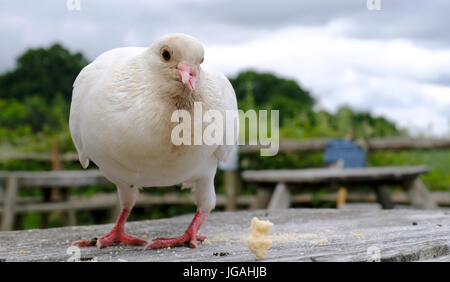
[
  {"x": 190, "y": 235},
  {"x": 116, "y": 235}
]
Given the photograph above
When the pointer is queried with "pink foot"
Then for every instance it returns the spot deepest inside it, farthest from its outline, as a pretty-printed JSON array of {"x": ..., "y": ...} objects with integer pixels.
[
  {"x": 85, "y": 243},
  {"x": 119, "y": 237},
  {"x": 159, "y": 243},
  {"x": 190, "y": 236},
  {"x": 116, "y": 235},
  {"x": 110, "y": 239}
]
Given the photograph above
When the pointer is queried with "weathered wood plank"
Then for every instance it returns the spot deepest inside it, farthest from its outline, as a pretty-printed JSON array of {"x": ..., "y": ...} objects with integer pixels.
[
  {"x": 378, "y": 144},
  {"x": 62, "y": 178},
  {"x": 375, "y": 144},
  {"x": 441, "y": 198},
  {"x": 231, "y": 189},
  {"x": 109, "y": 200},
  {"x": 377, "y": 177},
  {"x": 10, "y": 203},
  {"x": 281, "y": 198},
  {"x": 291, "y": 146},
  {"x": 318, "y": 175},
  {"x": 36, "y": 156},
  {"x": 261, "y": 199},
  {"x": 297, "y": 234},
  {"x": 383, "y": 196},
  {"x": 286, "y": 146},
  {"x": 419, "y": 195}
]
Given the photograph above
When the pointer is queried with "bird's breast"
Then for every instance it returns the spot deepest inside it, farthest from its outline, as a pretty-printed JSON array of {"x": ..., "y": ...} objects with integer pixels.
[{"x": 136, "y": 145}]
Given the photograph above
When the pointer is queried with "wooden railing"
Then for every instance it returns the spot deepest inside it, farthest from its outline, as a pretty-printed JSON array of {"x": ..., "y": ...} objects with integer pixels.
[
  {"x": 12, "y": 181},
  {"x": 286, "y": 146},
  {"x": 230, "y": 200},
  {"x": 375, "y": 144}
]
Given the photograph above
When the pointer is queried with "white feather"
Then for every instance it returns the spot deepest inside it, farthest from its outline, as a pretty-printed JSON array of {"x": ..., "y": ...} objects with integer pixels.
[{"x": 120, "y": 119}]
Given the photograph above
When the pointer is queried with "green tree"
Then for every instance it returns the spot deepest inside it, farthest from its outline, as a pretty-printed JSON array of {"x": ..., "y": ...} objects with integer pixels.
[
  {"x": 43, "y": 72},
  {"x": 271, "y": 92},
  {"x": 35, "y": 98}
]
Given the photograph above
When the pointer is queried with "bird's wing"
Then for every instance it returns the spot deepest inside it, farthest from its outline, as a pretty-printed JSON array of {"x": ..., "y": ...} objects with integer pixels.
[
  {"x": 87, "y": 80},
  {"x": 83, "y": 83},
  {"x": 222, "y": 92}
]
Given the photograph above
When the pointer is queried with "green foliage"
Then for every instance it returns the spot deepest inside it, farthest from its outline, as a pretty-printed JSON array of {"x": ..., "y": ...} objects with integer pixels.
[
  {"x": 346, "y": 123},
  {"x": 438, "y": 161},
  {"x": 267, "y": 91},
  {"x": 297, "y": 118},
  {"x": 34, "y": 114},
  {"x": 43, "y": 72},
  {"x": 35, "y": 99}
]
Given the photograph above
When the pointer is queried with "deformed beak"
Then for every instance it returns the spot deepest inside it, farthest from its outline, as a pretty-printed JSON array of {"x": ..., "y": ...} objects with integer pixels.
[{"x": 188, "y": 74}]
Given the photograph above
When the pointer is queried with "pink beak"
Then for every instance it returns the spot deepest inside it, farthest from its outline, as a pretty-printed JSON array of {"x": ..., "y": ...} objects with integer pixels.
[{"x": 188, "y": 74}]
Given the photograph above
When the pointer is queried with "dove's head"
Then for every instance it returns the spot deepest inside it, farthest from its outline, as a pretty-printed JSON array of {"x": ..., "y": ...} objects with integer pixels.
[{"x": 178, "y": 58}]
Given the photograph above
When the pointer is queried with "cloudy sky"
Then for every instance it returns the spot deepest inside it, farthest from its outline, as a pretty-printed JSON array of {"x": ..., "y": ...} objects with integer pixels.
[{"x": 394, "y": 62}]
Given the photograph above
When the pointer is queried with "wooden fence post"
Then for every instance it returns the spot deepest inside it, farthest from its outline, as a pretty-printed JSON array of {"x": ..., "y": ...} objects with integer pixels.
[
  {"x": 383, "y": 196},
  {"x": 56, "y": 165},
  {"x": 231, "y": 189},
  {"x": 9, "y": 204},
  {"x": 281, "y": 197},
  {"x": 231, "y": 178},
  {"x": 261, "y": 199},
  {"x": 63, "y": 193},
  {"x": 419, "y": 195}
]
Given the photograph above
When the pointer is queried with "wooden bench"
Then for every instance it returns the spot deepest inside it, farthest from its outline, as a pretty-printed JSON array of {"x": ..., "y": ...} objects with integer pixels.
[{"x": 378, "y": 178}]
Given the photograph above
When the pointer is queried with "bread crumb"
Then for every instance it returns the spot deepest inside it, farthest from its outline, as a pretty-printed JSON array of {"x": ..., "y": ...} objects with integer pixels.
[
  {"x": 285, "y": 237},
  {"x": 358, "y": 234},
  {"x": 206, "y": 242},
  {"x": 258, "y": 242},
  {"x": 122, "y": 260},
  {"x": 22, "y": 251},
  {"x": 319, "y": 242}
]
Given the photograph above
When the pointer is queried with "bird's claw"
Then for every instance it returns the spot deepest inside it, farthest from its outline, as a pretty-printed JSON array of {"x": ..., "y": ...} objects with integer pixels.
[
  {"x": 86, "y": 243},
  {"x": 159, "y": 243},
  {"x": 110, "y": 239}
]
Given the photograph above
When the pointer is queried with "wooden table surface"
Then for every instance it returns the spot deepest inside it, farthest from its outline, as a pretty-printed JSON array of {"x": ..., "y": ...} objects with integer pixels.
[
  {"x": 297, "y": 234},
  {"x": 376, "y": 177},
  {"x": 316, "y": 175}
]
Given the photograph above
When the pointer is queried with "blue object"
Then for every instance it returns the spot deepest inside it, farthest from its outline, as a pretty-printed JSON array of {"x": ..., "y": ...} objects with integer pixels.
[{"x": 350, "y": 153}]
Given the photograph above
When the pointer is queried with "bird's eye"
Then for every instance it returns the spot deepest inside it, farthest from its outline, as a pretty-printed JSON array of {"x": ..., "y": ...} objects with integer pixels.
[
  {"x": 165, "y": 54},
  {"x": 202, "y": 60}
]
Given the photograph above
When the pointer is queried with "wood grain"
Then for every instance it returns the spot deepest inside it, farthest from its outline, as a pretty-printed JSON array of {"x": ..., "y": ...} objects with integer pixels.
[{"x": 297, "y": 234}]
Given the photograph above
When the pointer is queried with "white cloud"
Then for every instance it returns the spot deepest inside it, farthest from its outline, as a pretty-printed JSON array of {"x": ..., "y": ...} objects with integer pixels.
[
  {"x": 386, "y": 62},
  {"x": 394, "y": 78}
]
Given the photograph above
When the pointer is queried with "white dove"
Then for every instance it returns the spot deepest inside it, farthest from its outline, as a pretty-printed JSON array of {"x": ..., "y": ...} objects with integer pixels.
[{"x": 120, "y": 118}]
